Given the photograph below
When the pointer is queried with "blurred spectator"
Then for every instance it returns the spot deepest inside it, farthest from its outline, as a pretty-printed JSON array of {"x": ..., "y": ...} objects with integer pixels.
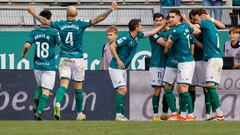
[
  {"x": 232, "y": 47},
  {"x": 217, "y": 12},
  {"x": 168, "y": 3},
  {"x": 235, "y": 14}
]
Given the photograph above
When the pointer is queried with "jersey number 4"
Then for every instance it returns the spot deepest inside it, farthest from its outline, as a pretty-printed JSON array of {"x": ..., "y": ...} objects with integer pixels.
[
  {"x": 42, "y": 49},
  {"x": 69, "y": 38}
]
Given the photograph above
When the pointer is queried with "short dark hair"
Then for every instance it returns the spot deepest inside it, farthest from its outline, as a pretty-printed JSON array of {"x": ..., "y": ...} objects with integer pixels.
[
  {"x": 133, "y": 24},
  {"x": 177, "y": 12},
  {"x": 158, "y": 15},
  {"x": 46, "y": 13},
  {"x": 193, "y": 12},
  {"x": 201, "y": 11}
]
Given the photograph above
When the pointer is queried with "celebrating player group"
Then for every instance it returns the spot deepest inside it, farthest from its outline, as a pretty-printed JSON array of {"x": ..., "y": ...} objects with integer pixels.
[{"x": 184, "y": 52}]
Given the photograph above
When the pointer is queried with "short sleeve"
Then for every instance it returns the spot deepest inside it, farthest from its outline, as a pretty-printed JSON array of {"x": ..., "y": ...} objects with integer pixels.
[
  {"x": 31, "y": 38},
  {"x": 55, "y": 24},
  {"x": 85, "y": 23},
  {"x": 121, "y": 41}
]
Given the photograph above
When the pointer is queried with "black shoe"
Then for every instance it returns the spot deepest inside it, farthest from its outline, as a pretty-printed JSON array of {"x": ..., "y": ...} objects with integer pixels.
[
  {"x": 35, "y": 105},
  {"x": 37, "y": 116}
]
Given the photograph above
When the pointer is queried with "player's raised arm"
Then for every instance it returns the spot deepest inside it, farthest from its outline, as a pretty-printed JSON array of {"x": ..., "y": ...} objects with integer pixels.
[
  {"x": 43, "y": 20},
  {"x": 196, "y": 27},
  {"x": 155, "y": 30},
  {"x": 104, "y": 15},
  {"x": 219, "y": 24},
  {"x": 25, "y": 48},
  {"x": 113, "y": 47}
]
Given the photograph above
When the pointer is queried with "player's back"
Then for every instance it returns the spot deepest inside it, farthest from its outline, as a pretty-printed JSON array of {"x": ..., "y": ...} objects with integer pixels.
[
  {"x": 211, "y": 44},
  {"x": 45, "y": 40},
  {"x": 71, "y": 33}
]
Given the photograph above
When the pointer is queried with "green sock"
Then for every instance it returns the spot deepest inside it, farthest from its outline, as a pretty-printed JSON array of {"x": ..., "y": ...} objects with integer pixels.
[
  {"x": 214, "y": 96},
  {"x": 79, "y": 99},
  {"x": 193, "y": 96},
  {"x": 43, "y": 100},
  {"x": 155, "y": 103},
  {"x": 182, "y": 104},
  {"x": 213, "y": 107},
  {"x": 119, "y": 103},
  {"x": 38, "y": 93},
  {"x": 164, "y": 104},
  {"x": 170, "y": 100},
  {"x": 60, "y": 94},
  {"x": 207, "y": 102},
  {"x": 187, "y": 101}
]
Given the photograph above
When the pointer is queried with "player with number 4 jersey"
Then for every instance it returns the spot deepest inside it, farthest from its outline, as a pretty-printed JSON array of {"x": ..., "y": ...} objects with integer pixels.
[{"x": 72, "y": 65}]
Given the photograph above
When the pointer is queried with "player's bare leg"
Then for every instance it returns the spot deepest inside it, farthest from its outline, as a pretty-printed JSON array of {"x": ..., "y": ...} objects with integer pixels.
[{"x": 59, "y": 97}]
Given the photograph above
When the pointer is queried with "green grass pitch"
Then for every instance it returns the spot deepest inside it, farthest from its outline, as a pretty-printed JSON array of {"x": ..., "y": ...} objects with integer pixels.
[{"x": 118, "y": 128}]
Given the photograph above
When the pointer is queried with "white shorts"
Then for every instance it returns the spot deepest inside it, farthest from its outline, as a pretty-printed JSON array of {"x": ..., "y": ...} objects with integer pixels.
[
  {"x": 214, "y": 70},
  {"x": 185, "y": 72},
  {"x": 156, "y": 74},
  {"x": 199, "y": 74},
  {"x": 45, "y": 79},
  {"x": 118, "y": 77},
  {"x": 72, "y": 68},
  {"x": 170, "y": 75}
]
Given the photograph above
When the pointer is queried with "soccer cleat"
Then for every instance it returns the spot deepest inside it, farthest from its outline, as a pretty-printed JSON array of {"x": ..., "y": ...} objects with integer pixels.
[
  {"x": 175, "y": 117},
  {"x": 164, "y": 117},
  {"x": 37, "y": 116},
  {"x": 219, "y": 117},
  {"x": 208, "y": 117},
  {"x": 190, "y": 118},
  {"x": 81, "y": 116},
  {"x": 121, "y": 118},
  {"x": 57, "y": 113},
  {"x": 35, "y": 104},
  {"x": 155, "y": 118}
]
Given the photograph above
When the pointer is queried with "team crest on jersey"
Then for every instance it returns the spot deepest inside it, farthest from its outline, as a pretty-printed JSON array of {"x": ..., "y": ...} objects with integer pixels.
[
  {"x": 120, "y": 40},
  {"x": 124, "y": 38}
]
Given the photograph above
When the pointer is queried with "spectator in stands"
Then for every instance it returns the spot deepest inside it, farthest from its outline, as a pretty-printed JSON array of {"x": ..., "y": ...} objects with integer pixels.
[
  {"x": 235, "y": 14},
  {"x": 111, "y": 34},
  {"x": 217, "y": 12},
  {"x": 168, "y": 3},
  {"x": 232, "y": 47}
]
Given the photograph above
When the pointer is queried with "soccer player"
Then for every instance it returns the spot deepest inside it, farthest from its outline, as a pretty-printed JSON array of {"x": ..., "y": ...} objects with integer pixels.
[
  {"x": 180, "y": 40},
  {"x": 71, "y": 63},
  {"x": 123, "y": 51},
  {"x": 157, "y": 67},
  {"x": 111, "y": 34},
  {"x": 212, "y": 56},
  {"x": 45, "y": 40}
]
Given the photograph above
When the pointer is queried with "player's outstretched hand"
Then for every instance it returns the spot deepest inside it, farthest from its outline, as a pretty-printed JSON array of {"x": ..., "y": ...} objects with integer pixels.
[
  {"x": 120, "y": 65},
  {"x": 31, "y": 9},
  {"x": 114, "y": 5}
]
